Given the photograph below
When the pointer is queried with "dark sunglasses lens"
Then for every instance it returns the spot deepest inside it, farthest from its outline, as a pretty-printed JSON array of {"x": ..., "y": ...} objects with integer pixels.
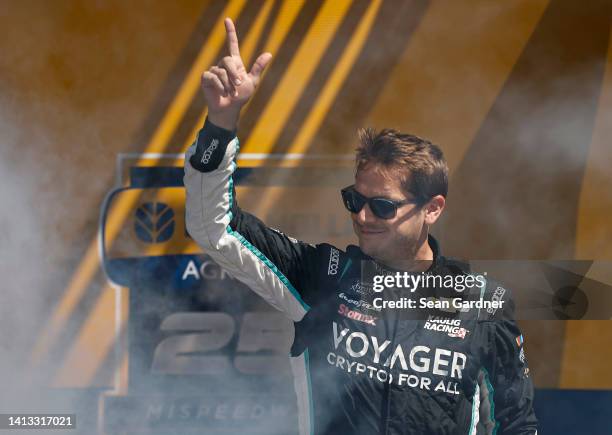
[
  {"x": 382, "y": 208},
  {"x": 351, "y": 201}
]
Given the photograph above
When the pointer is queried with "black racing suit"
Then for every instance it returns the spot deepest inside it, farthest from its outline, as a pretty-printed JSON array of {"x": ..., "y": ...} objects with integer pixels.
[{"x": 359, "y": 368}]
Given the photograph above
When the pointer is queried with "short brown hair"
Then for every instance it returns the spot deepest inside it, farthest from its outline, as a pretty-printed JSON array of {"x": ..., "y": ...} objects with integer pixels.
[{"x": 428, "y": 171}]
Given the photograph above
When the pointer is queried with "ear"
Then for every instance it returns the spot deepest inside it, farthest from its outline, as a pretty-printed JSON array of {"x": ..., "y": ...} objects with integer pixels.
[{"x": 433, "y": 209}]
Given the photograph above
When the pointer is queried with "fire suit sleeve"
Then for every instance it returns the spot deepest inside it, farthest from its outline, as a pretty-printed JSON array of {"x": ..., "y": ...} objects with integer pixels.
[
  {"x": 506, "y": 387},
  {"x": 273, "y": 265}
]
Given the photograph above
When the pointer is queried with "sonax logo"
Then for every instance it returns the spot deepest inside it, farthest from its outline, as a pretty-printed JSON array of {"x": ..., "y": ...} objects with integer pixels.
[{"x": 154, "y": 222}]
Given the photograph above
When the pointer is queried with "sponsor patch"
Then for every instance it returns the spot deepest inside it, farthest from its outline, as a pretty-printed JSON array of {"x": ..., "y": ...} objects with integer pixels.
[
  {"x": 356, "y": 315},
  {"x": 498, "y": 295},
  {"x": 358, "y": 303},
  {"x": 419, "y": 366},
  {"x": 208, "y": 152},
  {"x": 519, "y": 340},
  {"x": 452, "y": 327},
  {"x": 334, "y": 260},
  {"x": 361, "y": 288},
  {"x": 460, "y": 333}
]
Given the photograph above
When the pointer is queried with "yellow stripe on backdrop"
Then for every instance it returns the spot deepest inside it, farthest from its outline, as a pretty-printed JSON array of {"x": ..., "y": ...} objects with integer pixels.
[
  {"x": 90, "y": 263},
  {"x": 247, "y": 48},
  {"x": 96, "y": 337},
  {"x": 291, "y": 86},
  {"x": 334, "y": 83},
  {"x": 323, "y": 102},
  {"x": 296, "y": 76},
  {"x": 183, "y": 98},
  {"x": 585, "y": 339},
  {"x": 451, "y": 78},
  {"x": 122, "y": 317}
]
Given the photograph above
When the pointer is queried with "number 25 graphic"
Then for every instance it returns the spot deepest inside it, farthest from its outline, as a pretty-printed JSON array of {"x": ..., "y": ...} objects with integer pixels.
[{"x": 200, "y": 334}]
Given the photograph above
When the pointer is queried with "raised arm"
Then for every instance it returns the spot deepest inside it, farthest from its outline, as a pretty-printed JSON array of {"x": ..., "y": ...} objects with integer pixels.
[
  {"x": 270, "y": 263},
  {"x": 228, "y": 86}
]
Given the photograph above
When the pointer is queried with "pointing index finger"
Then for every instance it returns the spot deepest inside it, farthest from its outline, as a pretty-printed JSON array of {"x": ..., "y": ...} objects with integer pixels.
[{"x": 232, "y": 38}]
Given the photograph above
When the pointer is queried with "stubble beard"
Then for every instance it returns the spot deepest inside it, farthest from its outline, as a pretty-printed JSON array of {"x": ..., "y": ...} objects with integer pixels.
[{"x": 399, "y": 255}]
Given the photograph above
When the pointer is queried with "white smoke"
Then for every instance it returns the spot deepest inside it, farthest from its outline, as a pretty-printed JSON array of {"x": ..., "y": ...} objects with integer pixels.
[{"x": 38, "y": 235}]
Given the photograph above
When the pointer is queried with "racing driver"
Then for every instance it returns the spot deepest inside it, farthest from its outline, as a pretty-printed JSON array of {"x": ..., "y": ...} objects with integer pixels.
[{"x": 360, "y": 369}]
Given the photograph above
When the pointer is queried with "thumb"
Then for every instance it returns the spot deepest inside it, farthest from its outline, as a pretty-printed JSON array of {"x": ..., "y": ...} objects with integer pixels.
[{"x": 259, "y": 65}]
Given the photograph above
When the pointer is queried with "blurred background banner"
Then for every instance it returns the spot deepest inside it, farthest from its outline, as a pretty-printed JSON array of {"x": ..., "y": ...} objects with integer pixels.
[{"x": 99, "y": 101}]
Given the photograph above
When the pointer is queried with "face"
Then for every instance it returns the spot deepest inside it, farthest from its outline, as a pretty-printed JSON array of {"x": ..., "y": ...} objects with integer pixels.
[{"x": 398, "y": 238}]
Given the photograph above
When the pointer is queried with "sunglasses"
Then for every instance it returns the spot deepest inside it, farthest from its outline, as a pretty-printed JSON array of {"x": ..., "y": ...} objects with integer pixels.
[{"x": 382, "y": 208}]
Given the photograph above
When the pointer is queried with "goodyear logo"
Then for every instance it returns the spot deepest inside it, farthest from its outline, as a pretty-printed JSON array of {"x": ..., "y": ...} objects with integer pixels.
[{"x": 154, "y": 222}]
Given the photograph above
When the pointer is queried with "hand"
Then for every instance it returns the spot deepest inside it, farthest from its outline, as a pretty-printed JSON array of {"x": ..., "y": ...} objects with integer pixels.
[{"x": 227, "y": 86}]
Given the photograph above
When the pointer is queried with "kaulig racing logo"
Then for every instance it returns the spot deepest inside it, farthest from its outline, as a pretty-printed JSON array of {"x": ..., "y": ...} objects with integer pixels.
[
  {"x": 154, "y": 222},
  {"x": 452, "y": 327}
]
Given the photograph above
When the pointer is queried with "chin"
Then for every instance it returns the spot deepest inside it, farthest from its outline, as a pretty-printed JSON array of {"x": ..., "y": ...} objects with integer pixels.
[{"x": 374, "y": 250}]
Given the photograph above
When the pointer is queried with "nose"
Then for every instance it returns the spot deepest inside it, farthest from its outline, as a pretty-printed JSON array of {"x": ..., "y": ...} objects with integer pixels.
[{"x": 365, "y": 215}]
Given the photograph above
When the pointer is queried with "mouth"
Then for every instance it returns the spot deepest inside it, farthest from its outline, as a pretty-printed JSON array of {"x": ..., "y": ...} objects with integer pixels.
[{"x": 369, "y": 231}]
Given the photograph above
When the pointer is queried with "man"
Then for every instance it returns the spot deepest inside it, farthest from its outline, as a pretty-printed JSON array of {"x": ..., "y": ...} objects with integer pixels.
[{"x": 360, "y": 368}]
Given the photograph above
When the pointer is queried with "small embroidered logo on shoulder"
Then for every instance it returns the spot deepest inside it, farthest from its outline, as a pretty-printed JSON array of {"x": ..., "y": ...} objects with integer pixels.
[
  {"x": 334, "y": 261},
  {"x": 498, "y": 296},
  {"x": 208, "y": 153}
]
